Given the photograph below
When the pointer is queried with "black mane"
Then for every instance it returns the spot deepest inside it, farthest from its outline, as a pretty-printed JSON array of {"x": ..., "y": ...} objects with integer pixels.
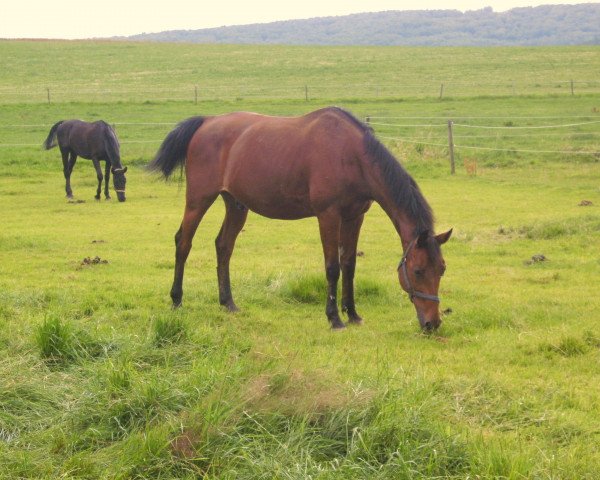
[
  {"x": 111, "y": 144},
  {"x": 403, "y": 189}
]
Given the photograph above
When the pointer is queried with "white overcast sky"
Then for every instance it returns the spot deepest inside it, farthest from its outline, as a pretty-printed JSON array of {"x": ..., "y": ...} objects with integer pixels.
[{"x": 103, "y": 18}]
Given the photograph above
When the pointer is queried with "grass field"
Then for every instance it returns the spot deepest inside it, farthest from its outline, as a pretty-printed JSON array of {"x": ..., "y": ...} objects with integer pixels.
[
  {"x": 109, "y": 71},
  {"x": 99, "y": 378}
]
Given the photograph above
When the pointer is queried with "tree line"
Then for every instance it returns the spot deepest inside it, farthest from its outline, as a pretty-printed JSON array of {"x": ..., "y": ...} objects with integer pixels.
[{"x": 530, "y": 26}]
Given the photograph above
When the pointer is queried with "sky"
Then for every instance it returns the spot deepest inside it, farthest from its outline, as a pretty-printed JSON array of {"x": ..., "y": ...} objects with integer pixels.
[{"x": 72, "y": 19}]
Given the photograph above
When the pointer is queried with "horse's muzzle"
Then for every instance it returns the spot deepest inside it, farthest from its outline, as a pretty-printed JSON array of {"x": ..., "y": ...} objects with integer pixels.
[
  {"x": 121, "y": 197},
  {"x": 429, "y": 325}
]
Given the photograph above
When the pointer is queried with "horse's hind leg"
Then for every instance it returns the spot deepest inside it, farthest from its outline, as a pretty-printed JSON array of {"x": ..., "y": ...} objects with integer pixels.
[
  {"x": 329, "y": 228},
  {"x": 348, "y": 241},
  {"x": 194, "y": 211},
  {"x": 235, "y": 217},
  {"x": 99, "y": 176}
]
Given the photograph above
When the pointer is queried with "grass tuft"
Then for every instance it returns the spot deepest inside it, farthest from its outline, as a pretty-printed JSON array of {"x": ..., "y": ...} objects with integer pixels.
[
  {"x": 569, "y": 226},
  {"x": 312, "y": 289},
  {"x": 568, "y": 346},
  {"x": 59, "y": 343},
  {"x": 309, "y": 289},
  {"x": 169, "y": 330}
]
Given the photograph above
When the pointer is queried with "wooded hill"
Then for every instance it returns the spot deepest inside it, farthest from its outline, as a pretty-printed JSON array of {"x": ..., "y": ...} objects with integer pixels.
[{"x": 543, "y": 25}]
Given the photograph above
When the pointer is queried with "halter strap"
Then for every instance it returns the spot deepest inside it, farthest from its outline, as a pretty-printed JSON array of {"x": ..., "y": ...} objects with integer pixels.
[{"x": 412, "y": 293}]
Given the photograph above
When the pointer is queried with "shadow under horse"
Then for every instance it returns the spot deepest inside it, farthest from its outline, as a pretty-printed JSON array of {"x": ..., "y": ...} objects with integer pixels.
[
  {"x": 325, "y": 164},
  {"x": 95, "y": 141}
]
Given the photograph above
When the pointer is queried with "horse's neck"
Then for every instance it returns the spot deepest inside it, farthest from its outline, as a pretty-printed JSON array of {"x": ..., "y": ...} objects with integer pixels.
[{"x": 403, "y": 223}]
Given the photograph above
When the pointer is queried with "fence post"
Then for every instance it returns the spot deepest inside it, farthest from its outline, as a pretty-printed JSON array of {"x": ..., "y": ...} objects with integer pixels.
[
  {"x": 451, "y": 146},
  {"x": 441, "y": 91},
  {"x": 48, "y": 91},
  {"x": 572, "y": 91},
  {"x": 306, "y": 93},
  {"x": 196, "y": 94}
]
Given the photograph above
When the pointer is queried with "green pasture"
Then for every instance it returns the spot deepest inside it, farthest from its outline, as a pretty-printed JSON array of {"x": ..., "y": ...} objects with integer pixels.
[
  {"x": 112, "y": 71},
  {"x": 99, "y": 378}
]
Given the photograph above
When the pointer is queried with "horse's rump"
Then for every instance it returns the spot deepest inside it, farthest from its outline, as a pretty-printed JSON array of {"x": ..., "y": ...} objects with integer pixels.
[{"x": 50, "y": 141}]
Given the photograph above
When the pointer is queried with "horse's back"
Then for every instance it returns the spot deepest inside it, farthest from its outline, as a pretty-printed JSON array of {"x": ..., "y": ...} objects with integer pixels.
[
  {"x": 85, "y": 139},
  {"x": 280, "y": 167}
]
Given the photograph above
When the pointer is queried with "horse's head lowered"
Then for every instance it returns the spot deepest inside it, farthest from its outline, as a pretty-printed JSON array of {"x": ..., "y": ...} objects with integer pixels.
[
  {"x": 420, "y": 272},
  {"x": 119, "y": 182}
]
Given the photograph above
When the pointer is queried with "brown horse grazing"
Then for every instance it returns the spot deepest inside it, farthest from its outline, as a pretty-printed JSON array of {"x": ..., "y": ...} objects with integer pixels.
[
  {"x": 325, "y": 164},
  {"x": 94, "y": 141}
]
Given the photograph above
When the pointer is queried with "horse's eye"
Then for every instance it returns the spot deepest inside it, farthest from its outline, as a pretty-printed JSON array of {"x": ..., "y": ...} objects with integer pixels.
[{"x": 419, "y": 273}]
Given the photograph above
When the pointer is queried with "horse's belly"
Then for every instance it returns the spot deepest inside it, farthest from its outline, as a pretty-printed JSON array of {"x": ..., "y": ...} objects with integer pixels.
[{"x": 278, "y": 207}]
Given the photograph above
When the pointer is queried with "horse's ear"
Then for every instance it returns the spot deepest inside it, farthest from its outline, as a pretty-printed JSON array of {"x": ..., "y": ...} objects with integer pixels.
[
  {"x": 422, "y": 239},
  {"x": 443, "y": 237},
  {"x": 125, "y": 169}
]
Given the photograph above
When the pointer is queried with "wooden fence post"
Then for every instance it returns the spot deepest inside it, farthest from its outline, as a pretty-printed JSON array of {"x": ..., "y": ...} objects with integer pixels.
[
  {"x": 451, "y": 146},
  {"x": 441, "y": 91},
  {"x": 196, "y": 94},
  {"x": 572, "y": 91},
  {"x": 48, "y": 91}
]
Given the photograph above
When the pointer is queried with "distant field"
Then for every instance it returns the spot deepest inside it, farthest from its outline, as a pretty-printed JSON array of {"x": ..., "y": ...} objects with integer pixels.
[
  {"x": 106, "y": 71},
  {"x": 101, "y": 379}
]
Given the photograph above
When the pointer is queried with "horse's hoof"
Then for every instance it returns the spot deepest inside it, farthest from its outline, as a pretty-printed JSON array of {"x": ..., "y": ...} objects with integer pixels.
[
  {"x": 176, "y": 305},
  {"x": 337, "y": 326},
  {"x": 232, "y": 307},
  {"x": 355, "y": 321},
  {"x": 108, "y": 198}
]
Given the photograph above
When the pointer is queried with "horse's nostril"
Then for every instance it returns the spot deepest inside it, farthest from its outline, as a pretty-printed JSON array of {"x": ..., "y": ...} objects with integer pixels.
[{"x": 427, "y": 326}]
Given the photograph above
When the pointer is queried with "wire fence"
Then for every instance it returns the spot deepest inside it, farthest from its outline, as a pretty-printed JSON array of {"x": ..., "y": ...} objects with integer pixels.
[
  {"x": 520, "y": 137},
  {"x": 491, "y": 138},
  {"x": 199, "y": 92}
]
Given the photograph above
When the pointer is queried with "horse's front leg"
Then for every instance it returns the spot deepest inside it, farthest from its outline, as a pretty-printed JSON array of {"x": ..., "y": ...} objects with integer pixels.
[
  {"x": 99, "y": 176},
  {"x": 329, "y": 228},
  {"x": 348, "y": 243},
  {"x": 107, "y": 180},
  {"x": 68, "y": 160},
  {"x": 183, "y": 243},
  {"x": 235, "y": 218}
]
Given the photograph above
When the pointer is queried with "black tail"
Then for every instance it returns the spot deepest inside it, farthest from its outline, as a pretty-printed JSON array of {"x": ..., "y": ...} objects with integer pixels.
[
  {"x": 50, "y": 141},
  {"x": 173, "y": 150},
  {"x": 111, "y": 145}
]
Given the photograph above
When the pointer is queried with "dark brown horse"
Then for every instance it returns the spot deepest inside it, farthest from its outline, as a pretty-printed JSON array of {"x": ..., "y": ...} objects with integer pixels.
[
  {"x": 325, "y": 164},
  {"x": 94, "y": 141}
]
